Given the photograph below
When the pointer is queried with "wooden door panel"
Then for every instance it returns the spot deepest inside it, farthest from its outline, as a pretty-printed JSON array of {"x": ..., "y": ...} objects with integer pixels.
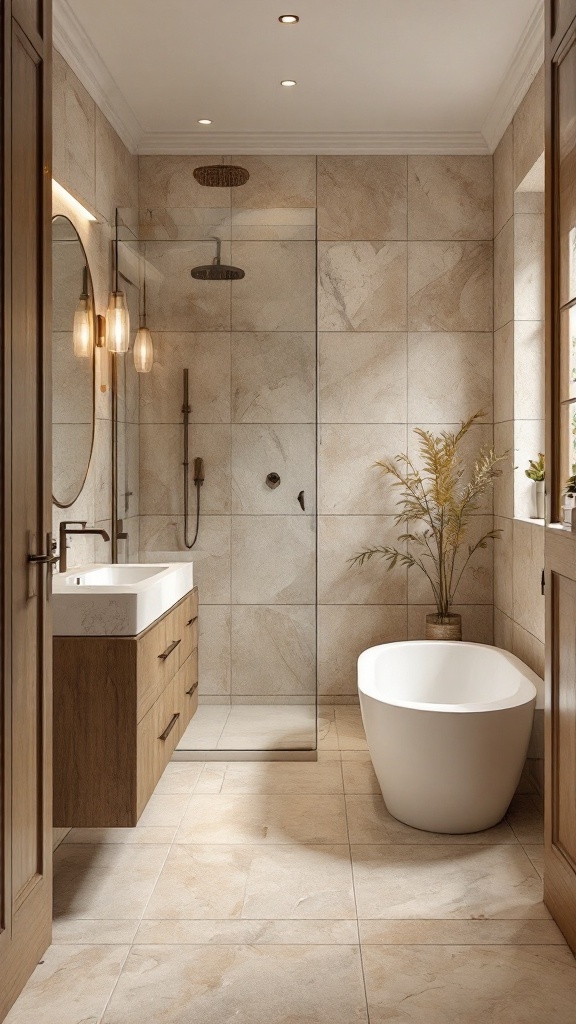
[{"x": 564, "y": 717}]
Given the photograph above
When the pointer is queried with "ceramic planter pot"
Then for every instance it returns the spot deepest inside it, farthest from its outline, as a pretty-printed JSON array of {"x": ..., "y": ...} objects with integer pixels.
[
  {"x": 540, "y": 498},
  {"x": 443, "y": 627}
]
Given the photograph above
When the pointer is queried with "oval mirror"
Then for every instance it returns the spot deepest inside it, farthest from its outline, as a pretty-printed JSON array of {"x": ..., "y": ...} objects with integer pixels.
[{"x": 73, "y": 360}]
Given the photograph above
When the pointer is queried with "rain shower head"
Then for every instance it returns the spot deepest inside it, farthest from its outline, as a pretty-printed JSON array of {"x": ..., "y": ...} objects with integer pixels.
[
  {"x": 221, "y": 175},
  {"x": 217, "y": 271}
]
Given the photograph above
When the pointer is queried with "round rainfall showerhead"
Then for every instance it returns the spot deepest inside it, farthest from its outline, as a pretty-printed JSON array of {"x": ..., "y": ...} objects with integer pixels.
[
  {"x": 221, "y": 176},
  {"x": 217, "y": 272}
]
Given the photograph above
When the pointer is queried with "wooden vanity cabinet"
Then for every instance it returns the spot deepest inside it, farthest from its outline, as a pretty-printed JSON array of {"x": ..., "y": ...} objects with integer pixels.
[{"x": 121, "y": 704}]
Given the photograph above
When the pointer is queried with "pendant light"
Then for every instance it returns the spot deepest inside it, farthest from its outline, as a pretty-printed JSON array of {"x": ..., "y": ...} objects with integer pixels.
[
  {"x": 117, "y": 315},
  {"x": 143, "y": 347},
  {"x": 83, "y": 322}
]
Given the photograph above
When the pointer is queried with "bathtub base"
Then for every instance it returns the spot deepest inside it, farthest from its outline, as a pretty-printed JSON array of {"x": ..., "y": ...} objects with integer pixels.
[{"x": 447, "y": 773}]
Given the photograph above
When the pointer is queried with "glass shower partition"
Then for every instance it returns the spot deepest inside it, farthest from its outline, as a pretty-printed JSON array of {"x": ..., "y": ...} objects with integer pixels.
[{"x": 249, "y": 346}]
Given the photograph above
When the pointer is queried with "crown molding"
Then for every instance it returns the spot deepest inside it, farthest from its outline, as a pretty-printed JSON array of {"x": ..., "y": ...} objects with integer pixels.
[
  {"x": 302, "y": 143},
  {"x": 526, "y": 61},
  {"x": 75, "y": 45}
]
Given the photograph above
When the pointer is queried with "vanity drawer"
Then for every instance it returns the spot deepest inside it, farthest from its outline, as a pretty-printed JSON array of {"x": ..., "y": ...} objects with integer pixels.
[
  {"x": 158, "y": 734},
  {"x": 187, "y": 682},
  {"x": 188, "y": 611}
]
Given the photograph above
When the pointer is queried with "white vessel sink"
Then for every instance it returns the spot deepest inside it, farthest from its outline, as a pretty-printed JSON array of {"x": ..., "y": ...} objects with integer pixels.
[{"x": 116, "y": 600}]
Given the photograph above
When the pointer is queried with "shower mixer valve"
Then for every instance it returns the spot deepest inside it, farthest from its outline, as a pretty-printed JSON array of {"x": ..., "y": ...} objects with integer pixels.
[{"x": 273, "y": 480}]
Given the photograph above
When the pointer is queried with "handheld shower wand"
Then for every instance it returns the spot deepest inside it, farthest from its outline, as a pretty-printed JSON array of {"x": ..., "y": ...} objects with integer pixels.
[{"x": 198, "y": 468}]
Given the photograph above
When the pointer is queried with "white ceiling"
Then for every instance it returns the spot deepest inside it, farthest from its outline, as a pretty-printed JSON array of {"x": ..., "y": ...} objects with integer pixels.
[{"x": 373, "y": 75}]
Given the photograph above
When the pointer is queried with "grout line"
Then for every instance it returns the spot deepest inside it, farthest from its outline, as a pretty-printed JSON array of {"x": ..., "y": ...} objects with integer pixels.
[{"x": 355, "y": 901}]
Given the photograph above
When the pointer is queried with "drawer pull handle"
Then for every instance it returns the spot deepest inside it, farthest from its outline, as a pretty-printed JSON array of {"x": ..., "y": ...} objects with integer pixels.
[
  {"x": 192, "y": 690},
  {"x": 168, "y": 651},
  {"x": 170, "y": 726},
  {"x": 192, "y": 621}
]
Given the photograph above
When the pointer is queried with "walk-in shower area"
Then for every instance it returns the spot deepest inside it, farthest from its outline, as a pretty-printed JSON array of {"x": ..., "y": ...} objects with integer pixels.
[{"x": 227, "y": 439}]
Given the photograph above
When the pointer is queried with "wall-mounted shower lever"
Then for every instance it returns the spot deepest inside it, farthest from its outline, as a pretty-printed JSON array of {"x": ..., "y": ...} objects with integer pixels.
[
  {"x": 301, "y": 500},
  {"x": 273, "y": 480}
]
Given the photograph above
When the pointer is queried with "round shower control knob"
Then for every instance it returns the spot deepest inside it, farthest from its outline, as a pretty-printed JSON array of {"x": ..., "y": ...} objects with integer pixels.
[{"x": 273, "y": 480}]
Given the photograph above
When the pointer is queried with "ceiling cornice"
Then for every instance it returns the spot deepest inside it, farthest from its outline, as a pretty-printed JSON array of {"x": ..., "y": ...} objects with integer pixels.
[
  {"x": 526, "y": 62},
  {"x": 321, "y": 143},
  {"x": 79, "y": 52},
  {"x": 75, "y": 45}
]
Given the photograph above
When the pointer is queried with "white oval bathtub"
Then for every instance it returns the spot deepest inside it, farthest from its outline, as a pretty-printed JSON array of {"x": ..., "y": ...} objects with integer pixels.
[{"x": 448, "y": 726}]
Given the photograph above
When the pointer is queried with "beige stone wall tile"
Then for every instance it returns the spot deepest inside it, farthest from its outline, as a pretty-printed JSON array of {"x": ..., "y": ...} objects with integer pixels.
[
  {"x": 288, "y": 449},
  {"x": 529, "y": 202},
  {"x": 529, "y": 370},
  {"x": 504, "y": 275},
  {"x": 362, "y": 286},
  {"x": 450, "y": 197},
  {"x": 207, "y": 357},
  {"x": 276, "y": 272},
  {"x": 503, "y": 631},
  {"x": 161, "y": 536},
  {"x": 161, "y": 454},
  {"x": 504, "y": 373},
  {"x": 273, "y": 650},
  {"x": 74, "y": 113},
  {"x": 529, "y": 266},
  {"x": 273, "y": 560},
  {"x": 273, "y": 377},
  {"x": 504, "y": 483},
  {"x": 362, "y": 377},
  {"x": 504, "y": 179},
  {"x": 276, "y": 181},
  {"x": 529, "y": 129},
  {"x": 529, "y": 603},
  {"x": 529, "y": 440},
  {"x": 503, "y": 562},
  {"x": 214, "y": 661},
  {"x": 116, "y": 171},
  {"x": 450, "y": 286},
  {"x": 340, "y": 538},
  {"x": 450, "y": 376},
  {"x": 167, "y": 183},
  {"x": 344, "y": 631},
  {"x": 529, "y": 649},
  {"x": 178, "y": 303},
  {"x": 480, "y": 435},
  {"x": 477, "y": 622},
  {"x": 349, "y": 481},
  {"x": 362, "y": 197}
]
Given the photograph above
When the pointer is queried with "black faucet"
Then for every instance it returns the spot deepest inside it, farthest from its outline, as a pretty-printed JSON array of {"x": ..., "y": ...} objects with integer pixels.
[{"x": 65, "y": 531}]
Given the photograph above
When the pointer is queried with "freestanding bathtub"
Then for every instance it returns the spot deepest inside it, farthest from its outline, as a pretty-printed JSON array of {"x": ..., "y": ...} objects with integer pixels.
[{"x": 448, "y": 726}]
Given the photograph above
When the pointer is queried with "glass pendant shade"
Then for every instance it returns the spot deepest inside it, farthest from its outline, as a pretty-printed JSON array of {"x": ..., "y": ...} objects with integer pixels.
[
  {"x": 117, "y": 323},
  {"x": 83, "y": 333},
  {"x": 143, "y": 351}
]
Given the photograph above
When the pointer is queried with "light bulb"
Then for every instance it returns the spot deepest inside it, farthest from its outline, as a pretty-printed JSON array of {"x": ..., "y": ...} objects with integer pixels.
[
  {"x": 117, "y": 323},
  {"x": 143, "y": 351},
  {"x": 83, "y": 331}
]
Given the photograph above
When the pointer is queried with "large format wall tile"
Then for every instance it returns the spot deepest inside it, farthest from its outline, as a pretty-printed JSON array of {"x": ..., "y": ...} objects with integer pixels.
[
  {"x": 362, "y": 377},
  {"x": 528, "y": 564},
  {"x": 504, "y": 275},
  {"x": 504, "y": 180},
  {"x": 340, "y": 538},
  {"x": 350, "y": 483},
  {"x": 161, "y": 474},
  {"x": 273, "y": 377},
  {"x": 529, "y": 266},
  {"x": 207, "y": 357},
  {"x": 168, "y": 182},
  {"x": 276, "y": 273},
  {"x": 450, "y": 376},
  {"x": 161, "y": 536},
  {"x": 529, "y": 441},
  {"x": 176, "y": 302},
  {"x": 450, "y": 197},
  {"x": 504, "y": 483},
  {"x": 450, "y": 286},
  {"x": 288, "y": 449},
  {"x": 116, "y": 171},
  {"x": 362, "y": 197},
  {"x": 503, "y": 564},
  {"x": 529, "y": 372},
  {"x": 504, "y": 373},
  {"x": 362, "y": 286},
  {"x": 276, "y": 182},
  {"x": 273, "y": 650},
  {"x": 344, "y": 631},
  {"x": 273, "y": 560},
  {"x": 529, "y": 129},
  {"x": 74, "y": 116},
  {"x": 214, "y": 650}
]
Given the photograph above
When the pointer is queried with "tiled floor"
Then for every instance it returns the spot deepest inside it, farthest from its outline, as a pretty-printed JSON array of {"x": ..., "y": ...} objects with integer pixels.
[
  {"x": 251, "y": 727},
  {"x": 283, "y": 893}
]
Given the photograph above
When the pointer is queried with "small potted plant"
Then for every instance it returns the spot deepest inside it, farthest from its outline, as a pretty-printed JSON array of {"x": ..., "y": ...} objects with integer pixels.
[
  {"x": 536, "y": 473},
  {"x": 438, "y": 506},
  {"x": 569, "y": 499}
]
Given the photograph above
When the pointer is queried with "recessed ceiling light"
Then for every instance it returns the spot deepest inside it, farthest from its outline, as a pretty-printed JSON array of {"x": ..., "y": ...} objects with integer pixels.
[
  {"x": 289, "y": 19},
  {"x": 204, "y": 120},
  {"x": 288, "y": 82}
]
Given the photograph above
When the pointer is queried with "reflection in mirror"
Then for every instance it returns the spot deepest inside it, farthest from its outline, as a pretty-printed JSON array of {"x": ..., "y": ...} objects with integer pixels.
[{"x": 73, "y": 323}]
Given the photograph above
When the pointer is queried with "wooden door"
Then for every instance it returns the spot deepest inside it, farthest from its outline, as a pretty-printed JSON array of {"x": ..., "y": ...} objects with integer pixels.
[
  {"x": 560, "y": 828},
  {"x": 26, "y": 825}
]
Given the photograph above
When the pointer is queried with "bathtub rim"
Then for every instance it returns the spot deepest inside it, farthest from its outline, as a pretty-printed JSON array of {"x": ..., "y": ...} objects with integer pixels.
[{"x": 528, "y": 689}]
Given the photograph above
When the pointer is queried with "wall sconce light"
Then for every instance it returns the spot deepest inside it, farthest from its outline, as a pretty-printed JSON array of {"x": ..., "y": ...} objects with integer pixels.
[
  {"x": 117, "y": 315},
  {"x": 103, "y": 354},
  {"x": 83, "y": 329},
  {"x": 143, "y": 347}
]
